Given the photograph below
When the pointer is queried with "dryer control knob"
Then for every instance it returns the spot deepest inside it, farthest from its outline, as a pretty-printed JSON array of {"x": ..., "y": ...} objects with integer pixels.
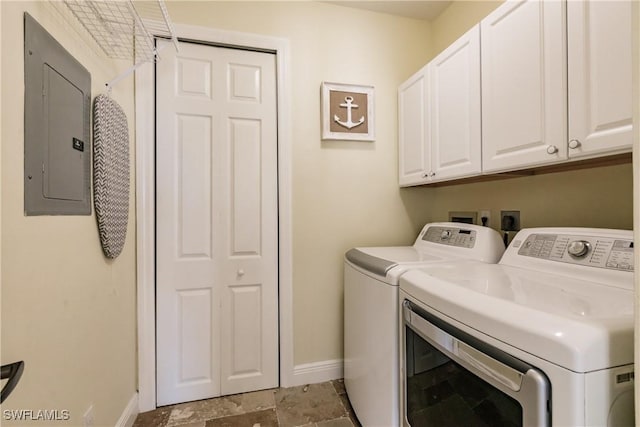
[
  {"x": 578, "y": 248},
  {"x": 445, "y": 235}
]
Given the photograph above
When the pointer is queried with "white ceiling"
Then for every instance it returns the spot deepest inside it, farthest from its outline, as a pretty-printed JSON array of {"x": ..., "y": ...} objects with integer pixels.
[{"x": 427, "y": 10}]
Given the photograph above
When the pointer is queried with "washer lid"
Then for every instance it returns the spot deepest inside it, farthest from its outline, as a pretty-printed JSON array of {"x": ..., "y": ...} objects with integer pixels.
[
  {"x": 393, "y": 255},
  {"x": 579, "y": 325},
  {"x": 379, "y": 261},
  {"x": 370, "y": 263}
]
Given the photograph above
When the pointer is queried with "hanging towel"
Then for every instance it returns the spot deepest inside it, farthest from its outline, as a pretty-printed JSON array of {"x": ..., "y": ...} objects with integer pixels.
[{"x": 110, "y": 173}]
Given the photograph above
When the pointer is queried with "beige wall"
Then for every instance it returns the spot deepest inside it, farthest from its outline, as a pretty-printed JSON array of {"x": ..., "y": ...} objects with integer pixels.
[
  {"x": 344, "y": 193},
  {"x": 457, "y": 19},
  {"x": 598, "y": 197},
  {"x": 67, "y": 311}
]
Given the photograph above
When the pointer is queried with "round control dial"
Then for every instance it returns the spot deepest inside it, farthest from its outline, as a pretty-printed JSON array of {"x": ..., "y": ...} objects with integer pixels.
[
  {"x": 578, "y": 248},
  {"x": 445, "y": 235}
]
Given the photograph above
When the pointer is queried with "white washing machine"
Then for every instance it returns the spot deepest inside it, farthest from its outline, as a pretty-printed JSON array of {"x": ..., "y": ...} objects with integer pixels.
[
  {"x": 543, "y": 338},
  {"x": 371, "y": 310}
]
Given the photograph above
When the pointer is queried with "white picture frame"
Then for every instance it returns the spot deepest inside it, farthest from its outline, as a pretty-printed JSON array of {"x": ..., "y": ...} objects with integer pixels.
[{"x": 347, "y": 112}]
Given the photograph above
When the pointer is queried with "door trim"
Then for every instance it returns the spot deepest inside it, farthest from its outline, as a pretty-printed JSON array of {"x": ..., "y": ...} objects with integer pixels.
[{"x": 145, "y": 203}]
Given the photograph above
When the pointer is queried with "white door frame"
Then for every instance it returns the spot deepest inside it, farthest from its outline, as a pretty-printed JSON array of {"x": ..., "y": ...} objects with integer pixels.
[{"x": 145, "y": 204}]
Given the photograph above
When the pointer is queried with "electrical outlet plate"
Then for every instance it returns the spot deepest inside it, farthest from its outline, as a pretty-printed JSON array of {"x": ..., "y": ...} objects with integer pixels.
[{"x": 516, "y": 220}]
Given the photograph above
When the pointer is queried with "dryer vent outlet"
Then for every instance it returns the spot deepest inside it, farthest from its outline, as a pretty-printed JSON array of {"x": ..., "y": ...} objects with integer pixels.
[{"x": 510, "y": 220}]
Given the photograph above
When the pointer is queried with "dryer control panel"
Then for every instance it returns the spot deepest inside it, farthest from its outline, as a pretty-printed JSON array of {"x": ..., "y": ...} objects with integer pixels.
[
  {"x": 452, "y": 236},
  {"x": 601, "y": 252}
]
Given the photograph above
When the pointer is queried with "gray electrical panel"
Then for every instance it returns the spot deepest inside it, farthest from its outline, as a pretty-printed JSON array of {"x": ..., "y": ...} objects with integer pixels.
[{"x": 57, "y": 109}]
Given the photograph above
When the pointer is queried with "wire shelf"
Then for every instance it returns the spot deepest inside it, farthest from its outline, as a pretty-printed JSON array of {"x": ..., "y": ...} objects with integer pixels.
[{"x": 124, "y": 29}]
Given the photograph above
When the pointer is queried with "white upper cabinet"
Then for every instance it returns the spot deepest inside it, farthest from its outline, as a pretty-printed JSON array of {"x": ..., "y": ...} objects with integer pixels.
[
  {"x": 599, "y": 52},
  {"x": 455, "y": 109},
  {"x": 439, "y": 116},
  {"x": 535, "y": 83},
  {"x": 523, "y": 85},
  {"x": 413, "y": 138}
]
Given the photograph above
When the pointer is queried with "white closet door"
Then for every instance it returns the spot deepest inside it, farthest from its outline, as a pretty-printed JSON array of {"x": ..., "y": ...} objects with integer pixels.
[
  {"x": 599, "y": 47},
  {"x": 414, "y": 156},
  {"x": 216, "y": 220},
  {"x": 523, "y": 85},
  {"x": 455, "y": 109}
]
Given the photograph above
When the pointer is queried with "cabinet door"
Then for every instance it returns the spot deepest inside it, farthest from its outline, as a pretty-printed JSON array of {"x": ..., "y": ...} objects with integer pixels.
[
  {"x": 523, "y": 85},
  {"x": 599, "y": 50},
  {"x": 413, "y": 138},
  {"x": 455, "y": 109}
]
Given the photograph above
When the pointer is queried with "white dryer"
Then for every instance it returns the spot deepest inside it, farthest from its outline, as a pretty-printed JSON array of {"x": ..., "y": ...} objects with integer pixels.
[
  {"x": 371, "y": 310},
  {"x": 543, "y": 338}
]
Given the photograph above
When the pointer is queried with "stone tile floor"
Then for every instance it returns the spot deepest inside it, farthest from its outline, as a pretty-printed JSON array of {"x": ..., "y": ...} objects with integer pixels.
[{"x": 315, "y": 405}]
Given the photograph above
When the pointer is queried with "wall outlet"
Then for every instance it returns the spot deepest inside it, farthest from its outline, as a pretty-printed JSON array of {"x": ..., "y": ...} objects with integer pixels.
[
  {"x": 88, "y": 419},
  {"x": 510, "y": 220},
  {"x": 485, "y": 213}
]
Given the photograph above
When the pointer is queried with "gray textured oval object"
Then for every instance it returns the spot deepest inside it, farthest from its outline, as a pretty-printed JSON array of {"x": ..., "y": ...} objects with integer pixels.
[{"x": 110, "y": 173}]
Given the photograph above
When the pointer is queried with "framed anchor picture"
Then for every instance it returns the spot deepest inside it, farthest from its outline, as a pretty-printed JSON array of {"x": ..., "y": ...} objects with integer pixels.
[{"x": 347, "y": 112}]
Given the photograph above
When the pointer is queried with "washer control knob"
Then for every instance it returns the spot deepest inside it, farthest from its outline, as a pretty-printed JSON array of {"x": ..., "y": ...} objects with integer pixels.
[
  {"x": 578, "y": 248},
  {"x": 552, "y": 149},
  {"x": 445, "y": 235},
  {"x": 574, "y": 143}
]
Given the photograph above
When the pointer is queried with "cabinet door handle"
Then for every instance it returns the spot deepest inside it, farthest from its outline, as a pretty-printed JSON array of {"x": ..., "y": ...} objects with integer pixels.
[
  {"x": 432, "y": 174},
  {"x": 426, "y": 175},
  {"x": 552, "y": 149},
  {"x": 574, "y": 143}
]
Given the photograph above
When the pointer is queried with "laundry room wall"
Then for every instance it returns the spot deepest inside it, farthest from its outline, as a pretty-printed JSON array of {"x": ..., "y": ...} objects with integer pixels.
[
  {"x": 67, "y": 311},
  {"x": 344, "y": 193},
  {"x": 596, "y": 197},
  {"x": 457, "y": 19}
]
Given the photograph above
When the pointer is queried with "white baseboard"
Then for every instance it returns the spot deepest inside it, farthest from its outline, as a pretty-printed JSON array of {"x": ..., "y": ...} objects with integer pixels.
[
  {"x": 130, "y": 413},
  {"x": 317, "y": 372}
]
